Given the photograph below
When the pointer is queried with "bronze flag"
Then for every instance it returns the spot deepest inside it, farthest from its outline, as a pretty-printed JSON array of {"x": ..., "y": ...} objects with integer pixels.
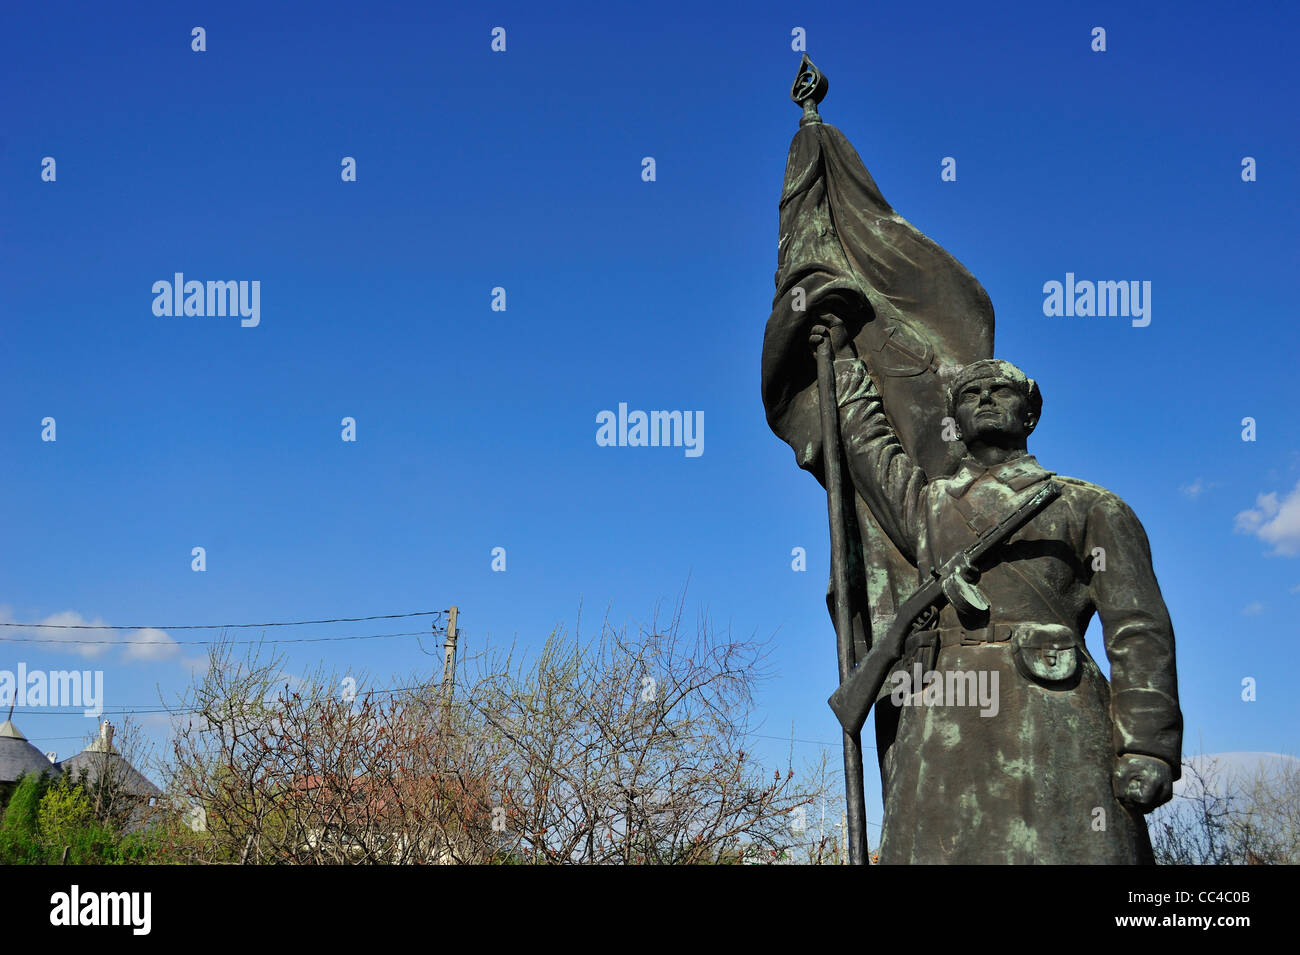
[{"x": 915, "y": 314}]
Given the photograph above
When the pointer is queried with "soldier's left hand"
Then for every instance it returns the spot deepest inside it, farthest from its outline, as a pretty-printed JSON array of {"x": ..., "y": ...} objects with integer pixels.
[{"x": 1143, "y": 782}]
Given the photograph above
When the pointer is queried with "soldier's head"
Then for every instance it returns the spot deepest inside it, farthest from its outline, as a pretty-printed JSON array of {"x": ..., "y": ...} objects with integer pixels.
[{"x": 995, "y": 403}]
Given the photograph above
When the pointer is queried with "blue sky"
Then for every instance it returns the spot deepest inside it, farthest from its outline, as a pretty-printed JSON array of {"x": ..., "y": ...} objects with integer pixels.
[{"x": 522, "y": 170}]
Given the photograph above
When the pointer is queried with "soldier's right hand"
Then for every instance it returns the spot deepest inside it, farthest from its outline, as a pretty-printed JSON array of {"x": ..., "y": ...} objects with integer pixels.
[{"x": 830, "y": 325}]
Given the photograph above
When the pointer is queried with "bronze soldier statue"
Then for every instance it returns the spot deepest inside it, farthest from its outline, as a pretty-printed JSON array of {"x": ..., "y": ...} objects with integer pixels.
[
  {"x": 932, "y": 433},
  {"x": 1065, "y": 766}
]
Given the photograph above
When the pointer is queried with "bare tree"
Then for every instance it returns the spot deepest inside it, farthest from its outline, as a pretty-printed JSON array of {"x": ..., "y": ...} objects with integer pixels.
[
  {"x": 1195, "y": 828},
  {"x": 1268, "y": 827},
  {"x": 1226, "y": 818},
  {"x": 625, "y": 749},
  {"x": 319, "y": 771},
  {"x": 634, "y": 749}
]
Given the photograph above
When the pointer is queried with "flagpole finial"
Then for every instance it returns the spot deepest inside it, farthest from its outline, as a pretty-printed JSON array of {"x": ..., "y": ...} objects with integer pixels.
[{"x": 809, "y": 89}]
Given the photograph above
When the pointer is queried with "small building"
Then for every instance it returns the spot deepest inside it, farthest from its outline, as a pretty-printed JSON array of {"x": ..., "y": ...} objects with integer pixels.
[
  {"x": 19, "y": 757},
  {"x": 101, "y": 761}
]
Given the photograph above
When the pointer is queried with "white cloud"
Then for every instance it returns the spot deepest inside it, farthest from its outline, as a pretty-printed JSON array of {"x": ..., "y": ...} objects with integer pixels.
[
  {"x": 1253, "y": 609},
  {"x": 1195, "y": 489},
  {"x": 150, "y": 644},
  {"x": 1274, "y": 521},
  {"x": 62, "y": 640},
  {"x": 1222, "y": 769},
  {"x": 163, "y": 721},
  {"x": 198, "y": 666},
  {"x": 63, "y": 633}
]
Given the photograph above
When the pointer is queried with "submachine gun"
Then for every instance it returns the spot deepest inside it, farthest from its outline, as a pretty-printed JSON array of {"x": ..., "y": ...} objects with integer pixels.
[{"x": 954, "y": 583}]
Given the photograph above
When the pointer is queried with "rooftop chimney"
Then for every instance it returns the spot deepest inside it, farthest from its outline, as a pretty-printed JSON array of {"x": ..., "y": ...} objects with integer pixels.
[{"x": 104, "y": 744}]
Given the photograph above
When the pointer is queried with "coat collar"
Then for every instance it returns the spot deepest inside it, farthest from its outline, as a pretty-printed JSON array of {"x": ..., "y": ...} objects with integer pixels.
[{"x": 1016, "y": 474}]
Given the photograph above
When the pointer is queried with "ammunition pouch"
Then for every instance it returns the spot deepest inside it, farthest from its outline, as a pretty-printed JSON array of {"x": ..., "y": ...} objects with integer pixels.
[{"x": 1046, "y": 654}]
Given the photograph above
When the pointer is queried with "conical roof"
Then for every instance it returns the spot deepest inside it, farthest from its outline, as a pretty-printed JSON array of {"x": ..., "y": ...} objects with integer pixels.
[
  {"x": 17, "y": 756},
  {"x": 102, "y": 760},
  {"x": 96, "y": 764}
]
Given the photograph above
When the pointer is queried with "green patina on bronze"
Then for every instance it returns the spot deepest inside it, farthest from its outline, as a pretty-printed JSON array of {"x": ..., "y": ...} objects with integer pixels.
[{"x": 933, "y": 437}]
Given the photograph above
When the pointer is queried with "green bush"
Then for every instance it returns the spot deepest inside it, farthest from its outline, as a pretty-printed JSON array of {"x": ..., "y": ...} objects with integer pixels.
[
  {"x": 51, "y": 822},
  {"x": 20, "y": 830}
]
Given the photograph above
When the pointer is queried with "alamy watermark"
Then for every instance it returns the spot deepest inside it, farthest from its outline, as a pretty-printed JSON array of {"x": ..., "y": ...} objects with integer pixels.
[
  {"x": 211, "y": 299},
  {"x": 84, "y": 688},
  {"x": 1122, "y": 299},
  {"x": 946, "y": 688},
  {"x": 130, "y": 909},
  {"x": 655, "y": 429}
]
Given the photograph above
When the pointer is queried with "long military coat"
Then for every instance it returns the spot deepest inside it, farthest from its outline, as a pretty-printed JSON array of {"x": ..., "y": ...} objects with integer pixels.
[{"x": 1030, "y": 782}]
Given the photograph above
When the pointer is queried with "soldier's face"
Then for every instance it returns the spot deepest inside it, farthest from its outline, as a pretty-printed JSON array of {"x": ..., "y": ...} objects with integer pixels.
[{"x": 993, "y": 410}]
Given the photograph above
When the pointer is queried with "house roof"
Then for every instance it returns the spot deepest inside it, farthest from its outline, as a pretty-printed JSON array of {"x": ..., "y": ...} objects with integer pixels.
[
  {"x": 17, "y": 756},
  {"x": 95, "y": 763},
  {"x": 101, "y": 759}
]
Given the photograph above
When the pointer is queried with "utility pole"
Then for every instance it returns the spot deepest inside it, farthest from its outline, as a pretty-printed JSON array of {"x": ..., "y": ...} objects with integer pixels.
[{"x": 449, "y": 653}]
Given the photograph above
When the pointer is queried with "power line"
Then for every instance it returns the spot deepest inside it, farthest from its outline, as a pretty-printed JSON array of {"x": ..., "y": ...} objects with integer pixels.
[
  {"x": 185, "y": 643},
  {"x": 219, "y": 626}
]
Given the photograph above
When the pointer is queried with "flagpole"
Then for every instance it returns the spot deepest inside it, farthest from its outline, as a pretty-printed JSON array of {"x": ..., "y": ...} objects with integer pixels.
[
  {"x": 854, "y": 797},
  {"x": 810, "y": 87}
]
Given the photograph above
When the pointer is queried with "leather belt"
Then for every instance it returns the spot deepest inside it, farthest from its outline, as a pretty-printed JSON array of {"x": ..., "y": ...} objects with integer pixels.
[{"x": 958, "y": 637}]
